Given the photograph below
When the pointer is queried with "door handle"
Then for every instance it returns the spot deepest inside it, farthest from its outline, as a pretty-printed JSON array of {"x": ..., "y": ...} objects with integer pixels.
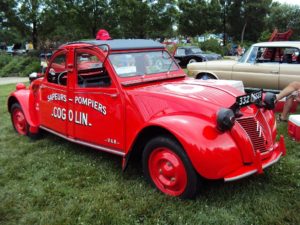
[{"x": 114, "y": 95}]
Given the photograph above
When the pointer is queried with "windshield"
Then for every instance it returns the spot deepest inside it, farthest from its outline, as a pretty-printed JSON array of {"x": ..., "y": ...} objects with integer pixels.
[
  {"x": 142, "y": 63},
  {"x": 249, "y": 56}
]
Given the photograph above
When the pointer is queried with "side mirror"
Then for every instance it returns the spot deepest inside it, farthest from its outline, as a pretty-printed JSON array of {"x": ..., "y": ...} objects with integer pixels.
[{"x": 33, "y": 76}]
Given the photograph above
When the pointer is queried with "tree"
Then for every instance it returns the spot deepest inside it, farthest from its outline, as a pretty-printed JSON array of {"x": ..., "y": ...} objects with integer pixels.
[
  {"x": 30, "y": 15},
  {"x": 198, "y": 16},
  {"x": 133, "y": 18},
  {"x": 246, "y": 18},
  {"x": 12, "y": 28},
  {"x": 191, "y": 22},
  {"x": 283, "y": 17},
  {"x": 163, "y": 15}
]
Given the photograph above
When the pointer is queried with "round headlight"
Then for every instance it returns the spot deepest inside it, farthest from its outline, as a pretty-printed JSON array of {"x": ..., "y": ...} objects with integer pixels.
[
  {"x": 269, "y": 100},
  {"x": 225, "y": 119}
]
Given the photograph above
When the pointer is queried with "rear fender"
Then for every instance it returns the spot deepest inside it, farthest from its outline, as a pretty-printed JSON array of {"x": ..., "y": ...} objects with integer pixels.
[
  {"x": 28, "y": 106},
  {"x": 212, "y": 153}
]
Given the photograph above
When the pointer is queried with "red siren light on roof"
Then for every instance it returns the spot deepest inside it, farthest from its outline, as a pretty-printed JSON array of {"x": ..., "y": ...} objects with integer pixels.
[{"x": 103, "y": 35}]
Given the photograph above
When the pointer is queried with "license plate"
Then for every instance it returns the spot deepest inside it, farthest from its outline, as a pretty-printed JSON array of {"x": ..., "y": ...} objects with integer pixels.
[{"x": 248, "y": 99}]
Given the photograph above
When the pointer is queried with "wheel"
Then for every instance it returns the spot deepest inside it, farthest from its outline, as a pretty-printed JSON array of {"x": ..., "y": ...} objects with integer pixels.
[
  {"x": 168, "y": 168},
  {"x": 192, "y": 60},
  {"x": 205, "y": 76},
  {"x": 19, "y": 121}
]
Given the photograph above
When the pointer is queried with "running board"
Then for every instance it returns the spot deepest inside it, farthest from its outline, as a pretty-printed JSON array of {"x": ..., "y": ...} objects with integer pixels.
[{"x": 98, "y": 147}]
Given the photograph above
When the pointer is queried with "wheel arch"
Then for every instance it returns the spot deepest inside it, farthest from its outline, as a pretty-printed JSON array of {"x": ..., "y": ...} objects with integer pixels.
[
  {"x": 143, "y": 137},
  {"x": 202, "y": 58},
  {"x": 22, "y": 98},
  {"x": 196, "y": 58},
  {"x": 200, "y": 140},
  {"x": 11, "y": 100},
  {"x": 200, "y": 74}
]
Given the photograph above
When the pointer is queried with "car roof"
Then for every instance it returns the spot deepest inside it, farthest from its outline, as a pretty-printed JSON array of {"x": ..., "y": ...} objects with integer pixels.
[
  {"x": 123, "y": 44},
  {"x": 295, "y": 44}
]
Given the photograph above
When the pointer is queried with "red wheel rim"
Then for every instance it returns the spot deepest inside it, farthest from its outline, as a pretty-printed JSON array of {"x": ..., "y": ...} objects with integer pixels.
[
  {"x": 167, "y": 171},
  {"x": 19, "y": 121}
]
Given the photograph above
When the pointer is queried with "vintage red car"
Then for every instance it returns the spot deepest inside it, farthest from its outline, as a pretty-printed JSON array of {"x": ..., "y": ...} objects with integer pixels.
[{"x": 130, "y": 97}]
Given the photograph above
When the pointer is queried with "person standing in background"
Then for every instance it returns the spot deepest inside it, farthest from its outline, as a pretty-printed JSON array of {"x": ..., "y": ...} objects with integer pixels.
[{"x": 291, "y": 93}]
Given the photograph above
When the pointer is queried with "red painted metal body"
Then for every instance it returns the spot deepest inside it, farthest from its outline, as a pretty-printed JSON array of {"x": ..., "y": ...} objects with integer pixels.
[{"x": 114, "y": 117}]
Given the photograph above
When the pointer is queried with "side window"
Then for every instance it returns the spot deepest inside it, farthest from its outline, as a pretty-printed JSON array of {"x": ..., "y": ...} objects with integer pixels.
[
  {"x": 57, "y": 70},
  {"x": 90, "y": 71},
  {"x": 266, "y": 55},
  {"x": 180, "y": 52},
  {"x": 290, "y": 56}
]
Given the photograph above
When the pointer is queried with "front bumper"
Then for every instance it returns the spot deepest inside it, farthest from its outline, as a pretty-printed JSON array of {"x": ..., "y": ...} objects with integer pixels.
[{"x": 259, "y": 164}]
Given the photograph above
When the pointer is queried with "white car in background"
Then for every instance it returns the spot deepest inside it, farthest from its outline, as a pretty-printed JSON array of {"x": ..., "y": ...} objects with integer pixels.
[{"x": 267, "y": 65}]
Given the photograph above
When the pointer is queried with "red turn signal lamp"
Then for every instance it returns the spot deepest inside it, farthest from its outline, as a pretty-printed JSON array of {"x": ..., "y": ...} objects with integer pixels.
[{"x": 20, "y": 86}]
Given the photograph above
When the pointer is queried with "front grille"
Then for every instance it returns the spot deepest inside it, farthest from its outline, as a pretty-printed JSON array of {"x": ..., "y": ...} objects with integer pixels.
[{"x": 255, "y": 131}]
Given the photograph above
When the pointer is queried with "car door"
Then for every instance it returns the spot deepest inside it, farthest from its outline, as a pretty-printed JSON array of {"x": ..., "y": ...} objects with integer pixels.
[
  {"x": 54, "y": 94},
  {"x": 289, "y": 67},
  {"x": 96, "y": 109},
  {"x": 259, "y": 70}
]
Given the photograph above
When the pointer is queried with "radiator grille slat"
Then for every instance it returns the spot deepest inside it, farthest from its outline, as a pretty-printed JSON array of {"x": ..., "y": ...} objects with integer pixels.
[{"x": 255, "y": 132}]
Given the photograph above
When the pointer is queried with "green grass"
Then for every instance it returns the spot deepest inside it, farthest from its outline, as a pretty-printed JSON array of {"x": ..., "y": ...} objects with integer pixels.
[{"x": 52, "y": 181}]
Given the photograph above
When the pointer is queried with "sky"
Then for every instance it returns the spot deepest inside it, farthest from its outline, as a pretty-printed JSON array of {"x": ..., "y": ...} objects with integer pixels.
[{"x": 290, "y": 2}]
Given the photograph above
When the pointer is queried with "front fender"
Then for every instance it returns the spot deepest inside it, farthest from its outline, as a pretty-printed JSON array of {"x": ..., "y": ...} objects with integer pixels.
[
  {"x": 212, "y": 153},
  {"x": 23, "y": 98}
]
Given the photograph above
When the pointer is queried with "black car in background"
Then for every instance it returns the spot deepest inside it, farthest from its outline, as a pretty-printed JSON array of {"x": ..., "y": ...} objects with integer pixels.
[{"x": 191, "y": 54}]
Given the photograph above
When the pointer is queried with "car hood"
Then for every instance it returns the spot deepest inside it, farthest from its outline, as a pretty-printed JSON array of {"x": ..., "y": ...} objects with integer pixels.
[
  {"x": 186, "y": 96},
  {"x": 220, "y": 65}
]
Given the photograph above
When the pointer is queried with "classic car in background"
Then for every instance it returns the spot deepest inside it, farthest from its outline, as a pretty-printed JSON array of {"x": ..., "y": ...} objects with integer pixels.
[
  {"x": 130, "y": 98},
  {"x": 269, "y": 65},
  {"x": 16, "y": 49},
  {"x": 191, "y": 54}
]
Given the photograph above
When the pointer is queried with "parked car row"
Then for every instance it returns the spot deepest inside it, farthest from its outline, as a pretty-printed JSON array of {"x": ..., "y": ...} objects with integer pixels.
[{"x": 16, "y": 49}]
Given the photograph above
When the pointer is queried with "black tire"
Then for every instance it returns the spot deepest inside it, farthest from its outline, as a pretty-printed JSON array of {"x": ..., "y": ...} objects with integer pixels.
[
  {"x": 205, "y": 76},
  {"x": 19, "y": 121},
  {"x": 186, "y": 186}
]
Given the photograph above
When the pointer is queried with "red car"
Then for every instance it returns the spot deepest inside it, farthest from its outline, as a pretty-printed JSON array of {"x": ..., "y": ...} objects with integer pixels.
[{"x": 130, "y": 97}]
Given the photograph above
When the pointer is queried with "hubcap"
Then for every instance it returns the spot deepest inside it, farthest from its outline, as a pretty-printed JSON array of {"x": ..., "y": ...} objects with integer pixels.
[
  {"x": 192, "y": 61},
  {"x": 205, "y": 77},
  {"x": 19, "y": 121},
  {"x": 167, "y": 171}
]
